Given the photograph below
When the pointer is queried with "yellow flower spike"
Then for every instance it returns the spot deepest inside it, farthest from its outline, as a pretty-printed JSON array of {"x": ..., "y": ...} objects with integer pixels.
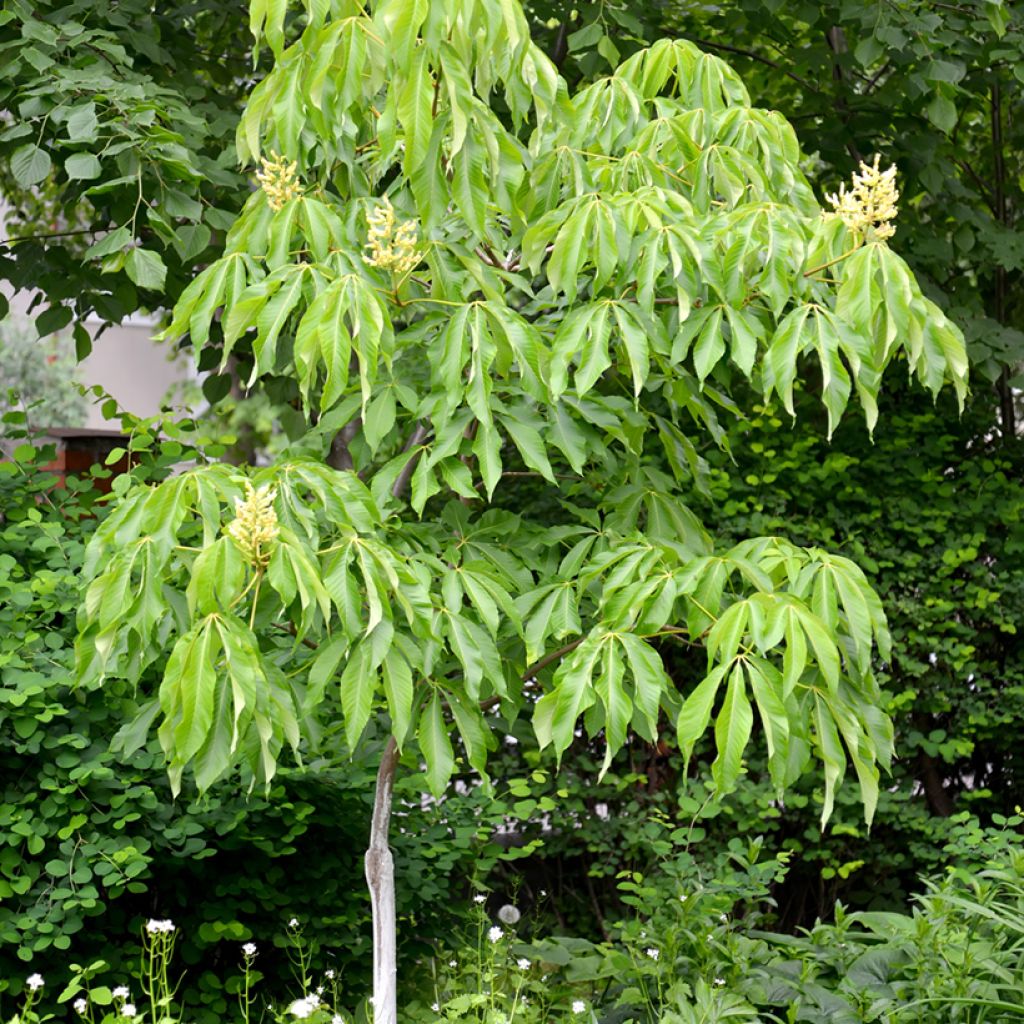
[
  {"x": 869, "y": 207},
  {"x": 279, "y": 180},
  {"x": 254, "y": 528},
  {"x": 388, "y": 248}
]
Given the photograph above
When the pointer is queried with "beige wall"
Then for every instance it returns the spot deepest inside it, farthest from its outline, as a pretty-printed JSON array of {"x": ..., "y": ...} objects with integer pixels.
[{"x": 132, "y": 368}]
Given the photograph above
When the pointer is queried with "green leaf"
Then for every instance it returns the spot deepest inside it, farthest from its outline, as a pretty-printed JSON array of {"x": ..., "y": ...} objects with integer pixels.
[
  {"x": 414, "y": 111},
  {"x": 30, "y": 165},
  {"x": 146, "y": 269},
  {"x": 436, "y": 746},
  {"x": 941, "y": 111},
  {"x": 695, "y": 714},
  {"x": 732, "y": 732},
  {"x": 81, "y": 166}
]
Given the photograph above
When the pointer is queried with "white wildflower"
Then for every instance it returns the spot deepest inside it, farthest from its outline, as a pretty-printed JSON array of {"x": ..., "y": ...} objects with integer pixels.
[
  {"x": 337, "y": 1019},
  {"x": 155, "y": 927},
  {"x": 653, "y": 953},
  {"x": 128, "y": 1010},
  {"x": 121, "y": 992},
  {"x": 435, "y": 1007},
  {"x": 479, "y": 898},
  {"x": 305, "y": 1007},
  {"x": 329, "y": 974},
  {"x": 578, "y": 1006},
  {"x": 35, "y": 982},
  {"x": 523, "y": 964},
  {"x": 80, "y": 1005},
  {"x": 495, "y": 934},
  {"x": 719, "y": 981},
  {"x": 249, "y": 950}
]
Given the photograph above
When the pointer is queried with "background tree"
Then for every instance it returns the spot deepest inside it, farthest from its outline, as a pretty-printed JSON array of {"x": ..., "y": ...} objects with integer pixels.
[
  {"x": 580, "y": 277},
  {"x": 117, "y": 169}
]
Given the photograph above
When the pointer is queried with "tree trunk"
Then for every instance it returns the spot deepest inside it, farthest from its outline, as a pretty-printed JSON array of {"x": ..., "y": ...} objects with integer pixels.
[{"x": 380, "y": 877}]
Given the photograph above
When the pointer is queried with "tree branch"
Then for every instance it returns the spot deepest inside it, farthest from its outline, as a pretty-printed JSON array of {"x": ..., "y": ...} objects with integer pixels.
[
  {"x": 417, "y": 437},
  {"x": 339, "y": 457},
  {"x": 725, "y": 48}
]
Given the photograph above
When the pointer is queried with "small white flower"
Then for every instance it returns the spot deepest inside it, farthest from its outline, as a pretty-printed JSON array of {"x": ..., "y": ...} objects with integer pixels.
[
  {"x": 452, "y": 963},
  {"x": 121, "y": 992},
  {"x": 495, "y": 934},
  {"x": 479, "y": 898},
  {"x": 34, "y": 982},
  {"x": 329, "y": 974},
  {"x": 653, "y": 953},
  {"x": 523, "y": 964},
  {"x": 578, "y": 1006},
  {"x": 305, "y": 1007},
  {"x": 249, "y": 950},
  {"x": 80, "y": 1005},
  {"x": 719, "y": 981},
  {"x": 320, "y": 990},
  {"x": 435, "y": 1007},
  {"x": 509, "y": 915},
  {"x": 337, "y": 1019},
  {"x": 128, "y": 1010},
  {"x": 157, "y": 927},
  {"x": 293, "y": 923},
  {"x": 723, "y": 917}
]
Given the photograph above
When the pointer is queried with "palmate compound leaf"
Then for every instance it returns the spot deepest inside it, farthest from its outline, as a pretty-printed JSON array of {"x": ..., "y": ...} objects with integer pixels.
[
  {"x": 166, "y": 560},
  {"x": 790, "y": 634}
]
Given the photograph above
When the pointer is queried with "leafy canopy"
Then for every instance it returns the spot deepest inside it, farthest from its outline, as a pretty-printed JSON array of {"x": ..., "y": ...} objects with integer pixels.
[{"x": 471, "y": 276}]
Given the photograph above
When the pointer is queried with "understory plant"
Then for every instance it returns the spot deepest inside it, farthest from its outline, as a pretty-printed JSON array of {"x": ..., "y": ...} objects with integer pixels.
[{"x": 468, "y": 277}]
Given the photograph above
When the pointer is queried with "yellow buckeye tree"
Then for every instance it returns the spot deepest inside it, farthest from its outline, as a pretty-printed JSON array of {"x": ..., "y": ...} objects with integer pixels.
[{"x": 467, "y": 276}]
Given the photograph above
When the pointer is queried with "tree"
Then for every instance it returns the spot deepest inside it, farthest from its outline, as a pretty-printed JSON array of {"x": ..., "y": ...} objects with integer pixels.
[
  {"x": 116, "y": 170},
  {"x": 473, "y": 277}
]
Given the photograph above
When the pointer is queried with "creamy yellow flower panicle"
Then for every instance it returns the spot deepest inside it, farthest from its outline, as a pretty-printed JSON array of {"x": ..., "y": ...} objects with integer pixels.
[
  {"x": 279, "y": 179},
  {"x": 254, "y": 528},
  {"x": 869, "y": 208},
  {"x": 388, "y": 248}
]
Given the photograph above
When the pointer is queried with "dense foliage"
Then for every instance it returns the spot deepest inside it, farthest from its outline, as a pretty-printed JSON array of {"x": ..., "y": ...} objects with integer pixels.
[{"x": 577, "y": 308}]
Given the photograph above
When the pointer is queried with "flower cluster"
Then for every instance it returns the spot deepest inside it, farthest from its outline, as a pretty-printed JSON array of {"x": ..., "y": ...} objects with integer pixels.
[
  {"x": 155, "y": 927},
  {"x": 279, "y": 180},
  {"x": 35, "y": 982},
  {"x": 388, "y": 247},
  {"x": 869, "y": 207},
  {"x": 254, "y": 528}
]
